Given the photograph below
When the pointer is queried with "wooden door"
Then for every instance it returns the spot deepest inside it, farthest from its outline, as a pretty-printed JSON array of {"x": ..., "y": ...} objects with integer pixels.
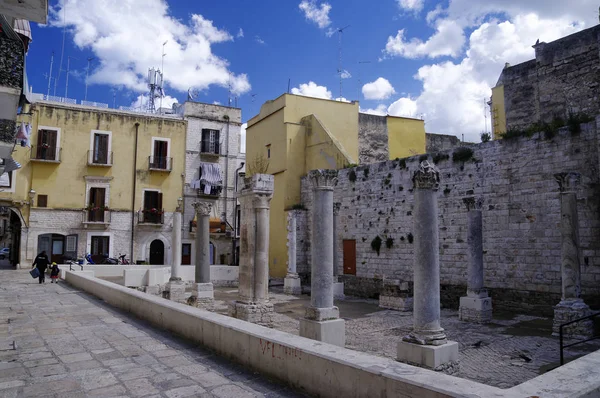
[
  {"x": 58, "y": 246},
  {"x": 100, "y": 248},
  {"x": 349, "y": 257},
  {"x": 186, "y": 254},
  {"x": 157, "y": 252},
  {"x": 96, "y": 205},
  {"x": 46, "y": 149},
  {"x": 160, "y": 154}
]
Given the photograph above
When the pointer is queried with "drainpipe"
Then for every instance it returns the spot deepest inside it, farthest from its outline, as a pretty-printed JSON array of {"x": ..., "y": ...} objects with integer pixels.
[
  {"x": 234, "y": 237},
  {"x": 135, "y": 149},
  {"x": 226, "y": 182}
]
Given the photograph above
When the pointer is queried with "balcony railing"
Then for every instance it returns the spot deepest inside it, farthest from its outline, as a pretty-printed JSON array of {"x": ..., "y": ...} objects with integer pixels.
[
  {"x": 151, "y": 216},
  {"x": 214, "y": 191},
  {"x": 96, "y": 216},
  {"x": 102, "y": 159},
  {"x": 45, "y": 154},
  {"x": 209, "y": 149},
  {"x": 160, "y": 163}
]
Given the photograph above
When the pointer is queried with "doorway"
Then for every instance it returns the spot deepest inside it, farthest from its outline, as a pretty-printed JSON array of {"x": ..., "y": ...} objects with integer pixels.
[
  {"x": 157, "y": 252},
  {"x": 186, "y": 254},
  {"x": 349, "y": 257},
  {"x": 53, "y": 245}
]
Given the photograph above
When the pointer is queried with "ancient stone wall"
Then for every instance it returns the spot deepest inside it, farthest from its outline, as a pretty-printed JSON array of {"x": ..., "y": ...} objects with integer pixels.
[
  {"x": 521, "y": 219},
  {"x": 372, "y": 138},
  {"x": 440, "y": 142}
]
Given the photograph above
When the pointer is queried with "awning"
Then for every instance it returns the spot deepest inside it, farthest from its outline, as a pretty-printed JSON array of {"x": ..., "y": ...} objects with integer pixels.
[
  {"x": 214, "y": 224},
  {"x": 22, "y": 26}
]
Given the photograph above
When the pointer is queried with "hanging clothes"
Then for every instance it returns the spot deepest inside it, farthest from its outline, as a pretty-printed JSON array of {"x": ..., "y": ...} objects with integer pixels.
[{"x": 210, "y": 176}]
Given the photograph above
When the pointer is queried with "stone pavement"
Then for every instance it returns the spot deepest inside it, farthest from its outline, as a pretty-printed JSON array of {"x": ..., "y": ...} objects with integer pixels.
[
  {"x": 56, "y": 341},
  {"x": 506, "y": 352}
]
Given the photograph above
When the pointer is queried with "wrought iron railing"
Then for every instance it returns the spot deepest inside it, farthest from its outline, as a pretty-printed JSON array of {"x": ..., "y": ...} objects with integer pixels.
[
  {"x": 213, "y": 191},
  {"x": 151, "y": 216},
  {"x": 96, "y": 216},
  {"x": 45, "y": 153},
  {"x": 96, "y": 158},
  {"x": 160, "y": 163},
  {"x": 207, "y": 148},
  {"x": 560, "y": 334}
]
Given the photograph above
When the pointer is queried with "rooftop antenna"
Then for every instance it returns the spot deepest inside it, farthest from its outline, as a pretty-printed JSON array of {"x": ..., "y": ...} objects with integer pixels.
[
  {"x": 253, "y": 99},
  {"x": 485, "y": 115},
  {"x": 340, "y": 71},
  {"x": 50, "y": 75},
  {"x": 359, "y": 74},
  {"x": 162, "y": 69},
  {"x": 155, "y": 84},
  {"x": 62, "y": 51},
  {"x": 68, "y": 72},
  {"x": 87, "y": 73},
  {"x": 289, "y": 84},
  {"x": 229, "y": 91},
  {"x": 114, "y": 91}
]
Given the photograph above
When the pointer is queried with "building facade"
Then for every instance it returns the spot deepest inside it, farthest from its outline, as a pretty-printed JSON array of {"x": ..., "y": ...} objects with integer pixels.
[
  {"x": 98, "y": 181},
  {"x": 213, "y": 162}
]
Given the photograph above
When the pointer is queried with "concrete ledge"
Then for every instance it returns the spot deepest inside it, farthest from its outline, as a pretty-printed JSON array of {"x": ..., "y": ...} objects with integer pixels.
[{"x": 323, "y": 369}]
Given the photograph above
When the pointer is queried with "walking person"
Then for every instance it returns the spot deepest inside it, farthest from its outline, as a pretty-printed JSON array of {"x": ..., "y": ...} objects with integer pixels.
[
  {"x": 41, "y": 262},
  {"x": 54, "y": 272}
]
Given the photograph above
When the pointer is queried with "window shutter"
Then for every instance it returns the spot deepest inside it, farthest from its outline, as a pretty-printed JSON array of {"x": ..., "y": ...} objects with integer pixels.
[
  {"x": 217, "y": 141},
  {"x": 147, "y": 200},
  {"x": 71, "y": 246},
  {"x": 160, "y": 201}
]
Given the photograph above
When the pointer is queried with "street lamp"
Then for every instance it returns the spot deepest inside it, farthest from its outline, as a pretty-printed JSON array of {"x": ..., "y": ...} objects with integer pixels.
[
  {"x": 179, "y": 203},
  {"x": 31, "y": 195}
]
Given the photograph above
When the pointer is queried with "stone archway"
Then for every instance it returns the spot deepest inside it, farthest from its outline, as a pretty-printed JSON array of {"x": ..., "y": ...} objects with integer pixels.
[{"x": 157, "y": 252}]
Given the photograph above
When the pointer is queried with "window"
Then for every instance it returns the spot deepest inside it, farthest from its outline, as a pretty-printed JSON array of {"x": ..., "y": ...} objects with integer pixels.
[
  {"x": 269, "y": 151},
  {"x": 71, "y": 243},
  {"x": 100, "y": 150},
  {"x": 152, "y": 212},
  {"x": 47, "y": 145},
  {"x": 42, "y": 201},
  {"x": 210, "y": 141},
  {"x": 100, "y": 248},
  {"x": 160, "y": 155},
  {"x": 96, "y": 204},
  {"x": 186, "y": 254},
  {"x": 6, "y": 180}
]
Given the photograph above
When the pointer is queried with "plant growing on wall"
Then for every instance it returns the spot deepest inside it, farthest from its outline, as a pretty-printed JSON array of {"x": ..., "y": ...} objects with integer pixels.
[
  {"x": 258, "y": 165},
  {"x": 389, "y": 242},
  {"x": 462, "y": 154},
  {"x": 376, "y": 244},
  {"x": 485, "y": 137},
  {"x": 438, "y": 157},
  {"x": 422, "y": 158},
  {"x": 352, "y": 176},
  {"x": 410, "y": 237},
  {"x": 298, "y": 206},
  {"x": 575, "y": 120}
]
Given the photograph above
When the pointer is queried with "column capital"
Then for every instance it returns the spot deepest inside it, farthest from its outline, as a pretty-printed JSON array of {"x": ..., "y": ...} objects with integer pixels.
[
  {"x": 262, "y": 201},
  {"x": 258, "y": 184},
  {"x": 568, "y": 182},
  {"x": 426, "y": 177},
  {"x": 323, "y": 179},
  {"x": 202, "y": 208},
  {"x": 336, "y": 208},
  {"x": 473, "y": 203}
]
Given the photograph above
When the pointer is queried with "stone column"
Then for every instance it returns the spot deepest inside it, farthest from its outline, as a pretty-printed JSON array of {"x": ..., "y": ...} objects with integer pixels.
[
  {"x": 338, "y": 287},
  {"x": 476, "y": 306},
  {"x": 202, "y": 289},
  {"x": 427, "y": 345},
  {"x": 253, "y": 303},
  {"x": 175, "y": 288},
  {"x": 291, "y": 283},
  {"x": 322, "y": 321},
  {"x": 571, "y": 305}
]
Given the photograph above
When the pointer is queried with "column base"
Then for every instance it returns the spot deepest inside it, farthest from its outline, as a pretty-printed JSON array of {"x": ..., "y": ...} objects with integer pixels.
[
  {"x": 332, "y": 331},
  {"x": 291, "y": 285},
  {"x": 153, "y": 290},
  {"x": 203, "y": 296},
  {"x": 475, "y": 309},
  {"x": 404, "y": 304},
  {"x": 569, "y": 310},
  {"x": 338, "y": 290},
  {"x": 441, "y": 358},
  {"x": 258, "y": 313},
  {"x": 175, "y": 291}
]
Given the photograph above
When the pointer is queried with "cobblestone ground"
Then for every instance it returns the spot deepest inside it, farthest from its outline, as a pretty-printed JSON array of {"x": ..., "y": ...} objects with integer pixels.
[
  {"x": 56, "y": 341},
  {"x": 504, "y": 353}
]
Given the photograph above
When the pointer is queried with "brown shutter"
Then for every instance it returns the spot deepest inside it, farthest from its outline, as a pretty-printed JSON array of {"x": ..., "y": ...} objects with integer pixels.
[
  {"x": 40, "y": 141},
  {"x": 159, "y": 201}
]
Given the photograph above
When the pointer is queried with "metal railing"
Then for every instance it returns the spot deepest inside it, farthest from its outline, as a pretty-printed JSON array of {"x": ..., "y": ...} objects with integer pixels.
[
  {"x": 160, "y": 163},
  {"x": 214, "y": 190},
  {"x": 96, "y": 158},
  {"x": 560, "y": 334},
  {"x": 99, "y": 216},
  {"x": 45, "y": 153},
  {"x": 94, "y": 104},
  {"x": 151, "y": 216},
  {"x": 207, "y": 148}
]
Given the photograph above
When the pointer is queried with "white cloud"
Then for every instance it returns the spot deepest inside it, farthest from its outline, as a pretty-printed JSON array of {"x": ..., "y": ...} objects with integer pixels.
[
  {"x": 243, "y": 138},
  {"x": 345, "y": 74},
  {"x": 342, "y": 99},
  {"x": 240, "y": 33},
  {"x": 311, "y": 89},
  {"x": 141, "y": 102},
  {"x": 381, "y": 110},
  {"x": 448, "y": 39},
  {"x": 403, "y": 107},
  {"x": 318, "y": 14},
  {"x": 380, "y": 89},
  {"x": 411, "y": 5},
  {"x": 259, "y": 40},
  {"x": 216, "y": 103},
  {"x": 105, "y": 28}
]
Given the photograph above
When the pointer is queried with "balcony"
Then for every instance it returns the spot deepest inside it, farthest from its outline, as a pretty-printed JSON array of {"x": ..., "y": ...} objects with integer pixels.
[
  {"x": 210, "y": 151},
  {"x": 160, "y": 163},
  {"x": 100, "y": 159},
  {"x": 151, "y": 217},
  {"x": 96, "y": 217},
  {"x": 215, "y": 192},
  {"x": 45, "y": 154}
]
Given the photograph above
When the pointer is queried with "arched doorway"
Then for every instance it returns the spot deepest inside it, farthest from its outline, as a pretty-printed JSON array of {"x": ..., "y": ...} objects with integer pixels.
[{"x": 157, "y": 252}]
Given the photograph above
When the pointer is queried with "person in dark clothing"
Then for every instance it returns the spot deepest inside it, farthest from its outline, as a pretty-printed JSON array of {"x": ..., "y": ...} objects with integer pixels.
[
  {"x": 55, "y": 271},
  {"x": 41, "y": 262}
]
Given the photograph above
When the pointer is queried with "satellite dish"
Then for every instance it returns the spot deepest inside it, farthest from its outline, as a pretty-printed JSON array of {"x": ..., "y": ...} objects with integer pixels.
[{"x": 193, "y": 94}]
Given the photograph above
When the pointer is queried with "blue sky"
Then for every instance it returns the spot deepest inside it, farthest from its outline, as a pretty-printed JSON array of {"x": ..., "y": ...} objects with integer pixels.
[{"x": 435, "y": 60}]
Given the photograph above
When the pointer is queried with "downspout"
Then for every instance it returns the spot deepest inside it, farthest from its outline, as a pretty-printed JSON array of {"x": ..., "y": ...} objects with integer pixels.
[
  {"x": 234, "y": 237},
  {"x": 135, "y": 148},
  {"x": 226, "y": 169}
]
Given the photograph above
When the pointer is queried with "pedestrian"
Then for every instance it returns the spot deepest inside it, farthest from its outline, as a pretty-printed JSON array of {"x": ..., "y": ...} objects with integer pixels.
[
  {"x": 41, "y": 262},
  {"x": 55, "y": 271}
]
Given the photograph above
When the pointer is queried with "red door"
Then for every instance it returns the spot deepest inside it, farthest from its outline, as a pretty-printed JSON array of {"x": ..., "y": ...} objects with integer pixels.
[{"x": 349, "y": 257}]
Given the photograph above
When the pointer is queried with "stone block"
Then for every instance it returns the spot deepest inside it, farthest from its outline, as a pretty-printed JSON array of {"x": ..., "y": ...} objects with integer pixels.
[
  {"x": 258, "y": 313},
  {"x": 569, "y": 310},
  {"x": 154, "y": 290},
  {"x": 332, "y": 331},
  {"x": 322, "y": 314},
  {"x": 441, "y": 358},
  {"x": 404, "y": 304},
  {"x": 338, "y": 291},
  {"x": 203, "y": 291},
  {"x": 175, "y": 291},
  {"x": 292, "y": 286},
  {"x": 476, "y": 310}
]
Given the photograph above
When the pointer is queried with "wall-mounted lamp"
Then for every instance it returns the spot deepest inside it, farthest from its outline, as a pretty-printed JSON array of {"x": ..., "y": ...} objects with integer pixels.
[
  {"x": 31, "y": 195},
  {"x": 179, "y": 203}
]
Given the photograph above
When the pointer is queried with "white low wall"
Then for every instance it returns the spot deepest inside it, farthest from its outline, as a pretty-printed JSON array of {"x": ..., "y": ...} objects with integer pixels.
[
  {"x": 323, "y": 369},
  {"x": 220, "y": 275}
]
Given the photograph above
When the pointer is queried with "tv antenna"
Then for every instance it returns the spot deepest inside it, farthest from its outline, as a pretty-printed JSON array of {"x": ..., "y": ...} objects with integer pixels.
[
  {"x": 359, "y": 75},
  {"x": 155, "y": 84},
  {"x": 192, "y": 94},
  {"x": 50, "y": 75},
  {"x": 485, "y": 116},
  {"x": 62, "y": 52},
  {"x": 162, "y": 69},
  {"x": 68, "y": 72},
  {"x": 87, "y": 74},
  {"x": 340, "y": 70}
]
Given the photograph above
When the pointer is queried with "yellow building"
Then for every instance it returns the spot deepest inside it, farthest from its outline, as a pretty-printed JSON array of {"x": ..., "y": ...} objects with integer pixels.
[
  {"x": 498, "y": 111},
  {"x": 296, "y": 134},
  {"x": 98, "y": 181}
]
